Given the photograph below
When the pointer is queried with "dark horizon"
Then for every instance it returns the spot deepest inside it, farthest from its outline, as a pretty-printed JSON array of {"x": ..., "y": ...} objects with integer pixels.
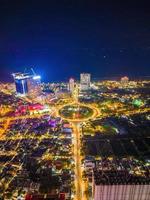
[{"x": 61, "y": 39}]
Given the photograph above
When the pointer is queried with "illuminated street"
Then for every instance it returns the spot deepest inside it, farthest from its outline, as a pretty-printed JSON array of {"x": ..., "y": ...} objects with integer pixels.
[
  {"x": 78, "y": 172},
  {"x": 72, "y": 123}
]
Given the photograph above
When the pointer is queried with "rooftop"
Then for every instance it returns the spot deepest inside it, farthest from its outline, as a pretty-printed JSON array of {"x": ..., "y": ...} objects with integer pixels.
[{"x": 119, "y": 177}]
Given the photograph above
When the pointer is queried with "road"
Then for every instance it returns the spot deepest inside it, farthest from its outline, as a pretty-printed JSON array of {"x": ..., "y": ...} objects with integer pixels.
[{"x": 79, "y": 184}]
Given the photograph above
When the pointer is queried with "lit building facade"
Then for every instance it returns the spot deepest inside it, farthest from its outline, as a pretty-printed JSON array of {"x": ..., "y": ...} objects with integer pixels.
[
  {"x": 71, "y": 85},
  {"x": 109, "y": 185},
  {"x": 120, "y": 192},
  {"x": 21, "y": 86},
  {"x": 27, "y": 84},
  {"x": 34, "y": 88},
  {"x": 85, "y": 81}
]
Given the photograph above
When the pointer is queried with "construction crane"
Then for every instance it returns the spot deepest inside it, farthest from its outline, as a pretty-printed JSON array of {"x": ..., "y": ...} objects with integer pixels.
[
  {"x": 33, "y": 71},
  {"x": 28, "y": 71}
]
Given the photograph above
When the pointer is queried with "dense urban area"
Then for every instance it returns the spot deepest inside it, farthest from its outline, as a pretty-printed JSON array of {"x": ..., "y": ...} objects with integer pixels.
[{"x": 78, "y": 140}]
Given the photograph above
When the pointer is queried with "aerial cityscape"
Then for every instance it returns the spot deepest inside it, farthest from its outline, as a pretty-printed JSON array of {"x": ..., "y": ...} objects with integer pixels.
[
  {"x": 74, "y": 100},
  {"x": 74, "y": 140}
]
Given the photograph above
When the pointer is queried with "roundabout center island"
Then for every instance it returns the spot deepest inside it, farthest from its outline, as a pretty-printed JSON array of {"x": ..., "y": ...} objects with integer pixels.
[{"x": 77, "y": 112}]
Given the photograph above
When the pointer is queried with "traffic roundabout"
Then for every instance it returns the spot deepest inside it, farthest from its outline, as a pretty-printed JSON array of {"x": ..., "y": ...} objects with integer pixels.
[{"x": 77, "y": 112}]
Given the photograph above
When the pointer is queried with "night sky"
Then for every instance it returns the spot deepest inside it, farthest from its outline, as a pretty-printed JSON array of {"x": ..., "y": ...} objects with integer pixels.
[{"x": 63, "y": 38}]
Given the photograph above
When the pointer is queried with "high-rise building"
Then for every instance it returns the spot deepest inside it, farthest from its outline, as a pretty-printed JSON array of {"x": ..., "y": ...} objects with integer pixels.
[
  {"x": 21, "y": 83},
  {"x": 27, "y": 84},
  {"x": 85, "y": 81},
  {"x": 118, "y": 185},
  {"x": 34, "y": 88},
  {"x": 71, "y": 85}
]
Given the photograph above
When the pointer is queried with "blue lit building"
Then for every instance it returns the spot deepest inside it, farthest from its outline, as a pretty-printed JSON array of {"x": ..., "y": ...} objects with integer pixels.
[{"x": 27, "y": 84}]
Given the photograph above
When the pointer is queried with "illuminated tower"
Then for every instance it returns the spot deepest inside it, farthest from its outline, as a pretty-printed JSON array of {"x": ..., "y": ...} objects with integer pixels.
[
  {"x": 71, "y": 85},
  {"x": 21, "y": 83},
  {"x": 27, "y": 84},
  {"x": 34, "y": 88},
  {"x": 85, "y": 81}
]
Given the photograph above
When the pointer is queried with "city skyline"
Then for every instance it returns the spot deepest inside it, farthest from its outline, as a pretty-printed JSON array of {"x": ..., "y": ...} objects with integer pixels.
[{"x": 76, "y": 77}]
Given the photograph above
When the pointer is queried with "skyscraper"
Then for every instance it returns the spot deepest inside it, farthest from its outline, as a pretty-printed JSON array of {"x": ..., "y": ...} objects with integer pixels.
[
  {"x": 21, "y": 83},
  {"x": 71, "y": 85},
  {"x": 85, "y": 81},
  {"x": 34, "y": 88},
  {"x": 119, "y": 184},
  {"x": 27, "y": 84}
]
